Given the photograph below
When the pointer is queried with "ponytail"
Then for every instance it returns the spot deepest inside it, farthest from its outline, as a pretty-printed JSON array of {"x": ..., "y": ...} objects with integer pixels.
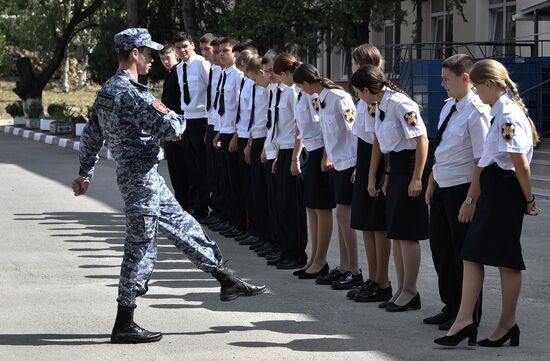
[
  {"x": 327, "y": 83},
  {"x": 512, "y": 87}
]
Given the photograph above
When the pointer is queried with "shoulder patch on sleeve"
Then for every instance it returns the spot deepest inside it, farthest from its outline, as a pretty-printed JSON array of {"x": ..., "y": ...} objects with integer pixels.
[
  {"x": 349, "y": 115},
  {"x": 105, "y": 101},
  {"x": 160, "y": 107},
  {"x": 508, "y": 131},
  {"x": 411, "y": 118},
  {"x": 315, "y": 104}
]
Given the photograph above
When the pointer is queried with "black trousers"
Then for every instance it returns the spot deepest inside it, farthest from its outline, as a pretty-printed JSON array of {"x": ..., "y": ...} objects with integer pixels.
[
  {"x": 178, "y": 170},
  {"x": 214, "y": 173},
  {"x": 232, "y": 189},
  {"x": 195, "y": 155},
  {"x": 244, "y": 170},
  {"x": 276, "y": 237},
  {"x": 259, "y": 211},
  {"x": 291, "y": 213},
  {"x": 447, "y": 236}
]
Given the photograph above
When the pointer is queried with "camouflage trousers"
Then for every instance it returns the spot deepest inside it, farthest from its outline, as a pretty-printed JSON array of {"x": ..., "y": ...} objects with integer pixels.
[{"x": 142, "y": 225}]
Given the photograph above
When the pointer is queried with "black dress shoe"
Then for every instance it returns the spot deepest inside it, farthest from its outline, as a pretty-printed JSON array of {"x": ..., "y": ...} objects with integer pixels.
[
  {"x": 413, "y": 304},
  {"x": 222, "y": 227},
  {"x": 469, "y": 332},
  {"x": 375, "y": 294},
  {"x": 309, "y": 276},
  {"x": 347, "y": 281},
  {"x": 264, "y": 253},
  {"x": 446, "y": 326},
  {"x": 298, "y": 272},
  {"x": 385, "y": 304},
  {"x": 231, "y": 233},
  {"x": 289, "y": 264},
  {"x": 273, "y": 255},
  {"x": 127, "y": 331},
  {"x": 329, "y": 278},
  {"x": 233, "y": 286},
  {"x": 248, "y": 241},
  {"x": 275, "y": 261},
  {"x": 244, "y": 236},
  {"x": 265, "y": 247},
  {"x": 257, "y": 245},
  {"x": 512, "y": 335},
  {"x": 366, "y": 285},
  {"x": 438, "y": 319}
]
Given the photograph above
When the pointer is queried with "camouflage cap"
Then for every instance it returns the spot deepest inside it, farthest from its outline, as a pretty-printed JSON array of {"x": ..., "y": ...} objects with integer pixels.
[{"x": 135, "y": 38}]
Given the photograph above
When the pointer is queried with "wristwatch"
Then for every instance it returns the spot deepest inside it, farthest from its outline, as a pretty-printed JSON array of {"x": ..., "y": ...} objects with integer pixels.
[{"x": 469, "y": 200}]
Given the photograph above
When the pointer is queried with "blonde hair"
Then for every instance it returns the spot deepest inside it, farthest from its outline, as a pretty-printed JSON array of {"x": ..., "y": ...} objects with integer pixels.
[
  {"x": 495, "y": 72},
  {"x": 368, "y": 54},
  {"x": 244, "y": 57}
]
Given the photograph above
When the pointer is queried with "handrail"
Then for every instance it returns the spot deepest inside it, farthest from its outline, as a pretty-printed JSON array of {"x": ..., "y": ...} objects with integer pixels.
[{"x": 534, "y": 87}]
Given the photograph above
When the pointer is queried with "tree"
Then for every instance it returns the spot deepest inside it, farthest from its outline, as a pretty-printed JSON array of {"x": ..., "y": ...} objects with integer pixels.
[{"x": 38, "y": 15}]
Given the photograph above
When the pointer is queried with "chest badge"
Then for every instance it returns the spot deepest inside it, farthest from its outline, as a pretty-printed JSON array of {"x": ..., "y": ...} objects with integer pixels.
[
  {"x": 315, "y": 103},
  {"x": 508, "y": 131},
  {"x": 372, "y": 110},
  {"x": 160, "y": 107},
  {"x": 411, "y": 119},
  {"x": 348, "y": 115}
]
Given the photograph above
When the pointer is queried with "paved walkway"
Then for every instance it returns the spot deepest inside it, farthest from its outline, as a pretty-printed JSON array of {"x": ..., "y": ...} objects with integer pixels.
[{"x": 59, "y": 266}]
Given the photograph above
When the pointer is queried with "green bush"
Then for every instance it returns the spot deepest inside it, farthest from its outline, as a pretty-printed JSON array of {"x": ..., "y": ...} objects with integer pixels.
[
  {"x": 56, "y": 109},
  {"x": 15, "y": 109},
  {"x": 35, "y": 110}
]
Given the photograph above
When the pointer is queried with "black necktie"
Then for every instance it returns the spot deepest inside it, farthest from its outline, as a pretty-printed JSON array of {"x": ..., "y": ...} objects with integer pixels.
[
  {"x": 218, "y": 91},
  {"x": 221, "y": 108},
  {"x": 239, "y": 106},
  {"x": 186, "y": 96},
  {"x": 299, "y": 95},
  {"x": 381, "y": 114},
  {"x": 492, "y": 120},
  {"x": 269, "y": 109},
  {"x": 276, "y": 116},
  {"x": 443, "y": 127},
  {"x": 252, "y": 109},
  {"x": 209, "y": 91}
]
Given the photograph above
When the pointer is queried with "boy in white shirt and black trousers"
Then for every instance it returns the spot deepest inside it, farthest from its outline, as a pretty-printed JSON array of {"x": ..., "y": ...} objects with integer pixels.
[
  {"x": 453, "y": 188},
  {"x": 193, "y": 74}
]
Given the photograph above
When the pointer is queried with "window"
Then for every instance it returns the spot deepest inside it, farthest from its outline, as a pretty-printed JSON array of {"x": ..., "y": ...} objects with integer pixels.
[
  {"x": 343, "y": 64},
  {"x": 501, "y": 26},
  {"x": 442, "y": 28},
  {"x": 311, "y": 56}
]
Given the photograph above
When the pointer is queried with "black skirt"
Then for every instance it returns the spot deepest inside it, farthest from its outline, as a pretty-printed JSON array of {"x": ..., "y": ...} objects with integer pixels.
[
  {"x": 494, "y": 235},
  {"x": 343, "y": 188},
  {"x": 406, "y": 217},
  {"x": 318, "y": 187},
  {"x": 367, "y": 213}
]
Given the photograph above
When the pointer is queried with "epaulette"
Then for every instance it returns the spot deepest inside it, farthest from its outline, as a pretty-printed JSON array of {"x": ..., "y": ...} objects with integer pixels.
[
  {"x": 507, "y": 106},
  {"x": 479, "y": 105},
  {"x": 446, "y": 100}
]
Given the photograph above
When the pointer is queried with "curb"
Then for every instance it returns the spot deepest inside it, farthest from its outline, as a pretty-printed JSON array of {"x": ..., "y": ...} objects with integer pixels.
[{"x": 49, "y": 139}]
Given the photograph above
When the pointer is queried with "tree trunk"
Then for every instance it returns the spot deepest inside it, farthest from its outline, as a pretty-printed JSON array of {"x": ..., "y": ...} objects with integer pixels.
[
  {"x": 83, "y": 73},
  {"x": 188, "y": 9},
  {"x": 133, "y": 14},
  {"x": 66, "y": 69}
]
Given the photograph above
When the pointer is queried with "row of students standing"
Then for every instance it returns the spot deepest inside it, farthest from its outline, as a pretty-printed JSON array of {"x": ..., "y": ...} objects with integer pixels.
[{"x": 295, "y": 143}]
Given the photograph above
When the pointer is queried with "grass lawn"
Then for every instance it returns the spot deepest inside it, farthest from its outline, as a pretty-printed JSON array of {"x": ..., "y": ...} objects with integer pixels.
[{"x": 79, "y": 99}]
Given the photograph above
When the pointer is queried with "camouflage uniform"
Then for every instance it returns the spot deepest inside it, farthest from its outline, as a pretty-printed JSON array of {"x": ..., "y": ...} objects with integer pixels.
[{"x": 132, "y": 123}]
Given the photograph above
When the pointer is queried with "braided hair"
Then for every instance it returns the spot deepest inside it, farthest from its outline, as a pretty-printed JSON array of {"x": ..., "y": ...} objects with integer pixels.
[
  {"x": 495, "y": 72},
  {"x": 309, "y": 74}
]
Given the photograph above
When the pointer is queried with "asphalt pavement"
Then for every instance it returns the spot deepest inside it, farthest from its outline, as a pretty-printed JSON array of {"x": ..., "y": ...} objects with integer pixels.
[{"x": 59, "y": 263}]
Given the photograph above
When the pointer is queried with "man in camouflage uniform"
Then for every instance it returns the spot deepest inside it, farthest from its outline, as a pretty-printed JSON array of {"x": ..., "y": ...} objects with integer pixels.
[{"x": 131, "y": 122}]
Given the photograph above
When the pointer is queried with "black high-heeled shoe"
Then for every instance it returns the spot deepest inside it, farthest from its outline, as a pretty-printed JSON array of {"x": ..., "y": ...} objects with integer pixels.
[
  {"x": 413, "y": 304},
  {"x": 512, "y": 335},
  {"x": 309, "y": 276},
  {"x": 469, "y": 332}
]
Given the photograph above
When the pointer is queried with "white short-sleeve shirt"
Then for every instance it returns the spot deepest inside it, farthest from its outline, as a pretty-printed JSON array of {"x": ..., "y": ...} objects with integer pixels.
[
  {"x": 509, "y": 133},
  {"x": 245, "y": 108},
  {"x": 197, "y": 81},
  {"x": 400, "y": 124},
  {"x": 337, "y": 115},
  {"x": 269, "y": 146},
  {"x": 307, "y": 120},
  {"x": 363, "y": 127},
  {"x": 261, "y": 99},
  {"x": 462, "y": 141},
  {"x": 231, "y": 91},
  {"x": 285, "y": 129}
]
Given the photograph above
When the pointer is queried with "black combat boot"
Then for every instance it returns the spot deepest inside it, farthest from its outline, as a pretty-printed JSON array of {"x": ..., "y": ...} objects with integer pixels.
[
  {"x": 232, "y": 286},
  {"x": 127, "y": 331}
]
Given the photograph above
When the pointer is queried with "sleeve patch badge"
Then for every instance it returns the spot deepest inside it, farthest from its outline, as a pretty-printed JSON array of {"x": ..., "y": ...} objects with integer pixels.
[
  {"x": 508, "y": 131},
  {"x": 372, "y": 110},
  {"x": 160, "y": 107},
  {"x": 105, "y": 101},
  {"x": 411, "y": 119},
  {"x": 348, "y": 115},
  {"x": 315, "y": 103}
]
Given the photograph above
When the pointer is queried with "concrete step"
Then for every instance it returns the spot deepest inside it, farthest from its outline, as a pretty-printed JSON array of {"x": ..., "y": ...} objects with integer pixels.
[
  {"x": 540, "y": 167},
  {"x": 541, "y": 185}
]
